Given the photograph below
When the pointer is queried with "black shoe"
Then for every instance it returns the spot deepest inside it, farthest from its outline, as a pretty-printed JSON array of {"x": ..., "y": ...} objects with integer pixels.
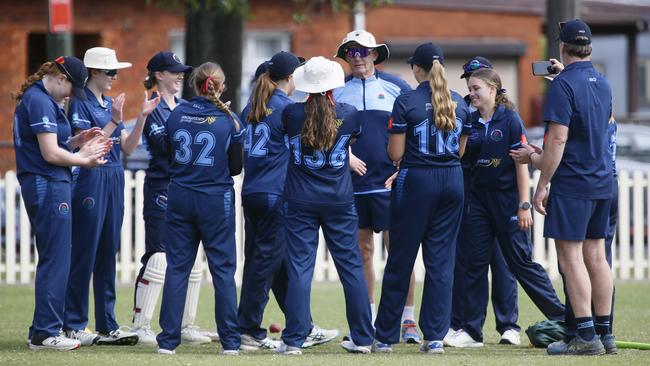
[{"x": 609, "y": 342}]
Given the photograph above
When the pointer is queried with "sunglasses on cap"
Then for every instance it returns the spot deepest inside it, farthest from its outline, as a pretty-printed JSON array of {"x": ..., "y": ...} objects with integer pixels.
[
  {"x": 59, "y": 63},
  {"x": 475, "y": 65},
  {"x": 110, "y": 73},
  {"x": 357, "y": 52}
]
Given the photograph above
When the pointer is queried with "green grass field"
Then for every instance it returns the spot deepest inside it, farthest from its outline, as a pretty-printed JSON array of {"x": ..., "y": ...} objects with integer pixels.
[{"x": 632, "y": 323}]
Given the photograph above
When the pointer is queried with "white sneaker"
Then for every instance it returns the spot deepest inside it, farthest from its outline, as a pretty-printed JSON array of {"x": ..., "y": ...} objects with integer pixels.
[
  {"x": 463, "y": 340},
  {"x": 451, "y": 333},
  {"x": 353, "y": 348},
  {"x": 250, "y": 343},
  {"x": 191, "y": 335},
  {"x": 162, "y": 351},
  {"x": 283, "y": 349},
  {"x": 214, "y": 336},
  {"x": 119, "y": 337},
  {"x": 146, "y": 336},
  {"x": 319, "y": 335},
  {"x": 510, "y": 336},
  {"x": 84, "y": 337},
  {"x": 230, "y": 352},
  {"x": 58, "y": 343}
]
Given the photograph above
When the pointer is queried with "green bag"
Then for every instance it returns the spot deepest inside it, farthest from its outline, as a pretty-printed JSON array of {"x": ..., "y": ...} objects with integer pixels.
[{"x": 543, "y": 333}]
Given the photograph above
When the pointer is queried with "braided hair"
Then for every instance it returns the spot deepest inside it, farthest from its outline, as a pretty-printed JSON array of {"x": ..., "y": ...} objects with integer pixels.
[{"x": 207, "y": 80}]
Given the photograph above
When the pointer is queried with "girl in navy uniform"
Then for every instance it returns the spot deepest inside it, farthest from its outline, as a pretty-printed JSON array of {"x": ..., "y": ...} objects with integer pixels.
[
  {"x": 44, "y": 156},
  {"x": 98, "y": 204},
  {"x": 504, "y": 285},
  {"x": 318, "y": 193},
  {"x": 499, "y": 208},
  {"x": 266, "y": 156},
  {"x": 204, "y": 139},
  {"x": 426, "y": 200},
  {"x": 166, "y": 73}
]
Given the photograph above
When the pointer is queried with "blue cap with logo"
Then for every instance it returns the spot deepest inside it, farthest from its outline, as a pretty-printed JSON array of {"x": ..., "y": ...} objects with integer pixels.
[
  {"x": 425, "y": 54},
  {"x": 476, "y": 63},
  {"x": 575, "y": 32},
  {"x": 283, "y": 64},
  {"x": 167, "y": 61},
  {"x": 76, "y": 72}
]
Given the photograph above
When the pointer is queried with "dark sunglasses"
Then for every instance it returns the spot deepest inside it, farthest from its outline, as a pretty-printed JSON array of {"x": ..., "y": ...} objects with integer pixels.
[
  {"x": 475, "y": 65},
  {"x": 358, "y": 52},
  {"x": 110, "y": 73},
  {"x": 59, "y": 63}
]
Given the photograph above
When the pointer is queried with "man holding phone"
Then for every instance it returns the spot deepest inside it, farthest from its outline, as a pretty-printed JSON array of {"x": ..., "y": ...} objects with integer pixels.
[{"x": 577, "y": 162}]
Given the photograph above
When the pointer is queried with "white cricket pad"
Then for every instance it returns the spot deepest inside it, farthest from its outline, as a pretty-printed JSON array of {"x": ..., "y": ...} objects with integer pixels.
[{"x": 148, "y": 290}]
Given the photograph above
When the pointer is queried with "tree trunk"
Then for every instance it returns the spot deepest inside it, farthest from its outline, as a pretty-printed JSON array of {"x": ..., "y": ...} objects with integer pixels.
[{"x": 214, "y": 36}]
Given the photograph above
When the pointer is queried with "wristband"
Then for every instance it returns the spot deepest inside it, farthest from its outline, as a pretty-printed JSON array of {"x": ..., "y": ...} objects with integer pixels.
[{"x": 117, "y": 124}]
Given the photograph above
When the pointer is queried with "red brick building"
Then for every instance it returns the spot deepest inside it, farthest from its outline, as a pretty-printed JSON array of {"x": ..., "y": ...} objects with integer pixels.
[{"x": 507, "y": 32}]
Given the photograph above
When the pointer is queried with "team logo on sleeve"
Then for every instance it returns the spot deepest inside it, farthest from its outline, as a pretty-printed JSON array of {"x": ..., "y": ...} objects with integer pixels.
[
  {"x": 381, "y": 96},
  {"x": 46, "y": 121},
  {"x": 88, "y": 203},
  {"x": 338, "y": 122},
  {"x": 64, "y": 208},
  {"x": 496, "y": 135},
  {"x": 428, "y": 107}
]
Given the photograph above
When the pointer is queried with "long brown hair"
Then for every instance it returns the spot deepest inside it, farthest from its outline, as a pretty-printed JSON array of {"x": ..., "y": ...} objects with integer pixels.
[
  {"x": 207, "y": 80},
  {"x": 443, "y": 107},
  {"x": 263, "y": 91},
  {"x": 48, "y": 68},
  {"x": 492, "y": 78},
  {"x": 320, "y": 129}
]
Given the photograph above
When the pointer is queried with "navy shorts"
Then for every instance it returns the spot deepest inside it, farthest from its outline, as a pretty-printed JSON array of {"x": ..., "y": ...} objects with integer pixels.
[
  {"x": 576, "y": 219},
  {"x": 373, "y": 210}
]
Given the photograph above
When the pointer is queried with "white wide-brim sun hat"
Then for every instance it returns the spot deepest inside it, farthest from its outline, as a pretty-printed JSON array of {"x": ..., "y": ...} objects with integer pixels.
[
  {"x": 103, "y": 58},
  {"x": 365, "y": 39},
  {"x": 319, "y": 75}
]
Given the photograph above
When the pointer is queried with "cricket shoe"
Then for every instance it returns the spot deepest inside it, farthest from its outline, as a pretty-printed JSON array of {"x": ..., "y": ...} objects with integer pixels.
[
  {"x": 191, "y": 335},
  {"x": 118, "y": 337},
  {"x": 510, "y": 336},
  {"x": 146, "y": 336},
  {"x": 351, "y": 347},
  {"x": 58, "y": 343},
  {"x": 609, "y": 342},
  {"x": 283, "y": 349},
  {"x": 432, "y": 347},
  {"x": 378, "y": 347},
  {"x": 319, "y": 335},
  {"x": 84, "y": 337},
  {"x": 250, "y": 343},
  {"x": 410, "y": 332},
  {"x": 451, "y": 333},
  {"x": 463, "y": 340}
]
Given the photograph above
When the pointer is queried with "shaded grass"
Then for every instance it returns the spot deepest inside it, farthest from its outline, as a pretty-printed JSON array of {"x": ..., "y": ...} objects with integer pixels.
[{"x": 632, "y": 323}]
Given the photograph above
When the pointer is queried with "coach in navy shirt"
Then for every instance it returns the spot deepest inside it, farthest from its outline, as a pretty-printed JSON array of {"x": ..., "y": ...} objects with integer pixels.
[{"x": 577, "y": 162}]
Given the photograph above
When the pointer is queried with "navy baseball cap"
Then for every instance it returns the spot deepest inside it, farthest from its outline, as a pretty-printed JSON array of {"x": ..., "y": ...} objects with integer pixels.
[
  {"x": 575, "y": 32},
  {"x": 167, "y": 61},
  {"x": 283, "y": 64},
  {"x": 76, "y": 72},
  {"x": 262, "y": 68},
  {"x": 425, "y": 54},
  {"x": 476, "y": 63}
]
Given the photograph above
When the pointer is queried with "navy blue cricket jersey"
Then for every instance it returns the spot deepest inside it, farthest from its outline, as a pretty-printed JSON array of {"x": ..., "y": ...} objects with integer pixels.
[
  {"x": 315, "y": 176},
  {"x": 87, "y": 114},
  {"x": 38, "y": 113},
  {"x": 155, "y": 135},
  {"x": 266, "y": 153},
  {"x": 581, "y": 99},
  {"x": 425, "y": 145},
  {"x": 373, "y": 98},
  {"x": 199, "y": 135},
  {"x": 493, "y": 167}
]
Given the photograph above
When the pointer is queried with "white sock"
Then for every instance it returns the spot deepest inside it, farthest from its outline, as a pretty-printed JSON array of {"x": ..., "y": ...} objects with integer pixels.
[
  {"x": 193, "y": 290},
  {"x": 373, "y": 311},
  {"x": 408, "y": 313},
  {"x": 148, "y": 290}
]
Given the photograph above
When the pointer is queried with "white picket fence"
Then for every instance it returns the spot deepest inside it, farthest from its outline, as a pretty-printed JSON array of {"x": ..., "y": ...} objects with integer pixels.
[{"x": 18, "y": 254}]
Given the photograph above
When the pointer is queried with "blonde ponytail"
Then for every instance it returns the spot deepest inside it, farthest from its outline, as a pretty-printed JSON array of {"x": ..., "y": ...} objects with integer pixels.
[
  {"x": 262, "y": 92},
  {"x": 206, "y": 80},
  {"x": 444, "y": 108}
]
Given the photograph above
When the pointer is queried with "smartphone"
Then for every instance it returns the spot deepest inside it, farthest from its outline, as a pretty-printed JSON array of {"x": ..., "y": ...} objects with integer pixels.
[{"x": 543, "y": 68}]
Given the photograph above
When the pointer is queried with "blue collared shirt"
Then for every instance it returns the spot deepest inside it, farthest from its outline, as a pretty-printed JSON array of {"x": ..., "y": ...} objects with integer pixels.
[
  {"x": 199, "y": 136},
  {"x": 90, "y": 113},
  {"x": 425, "y": 145},
  {"x": 316, "y": 176},
  {"x": 266, "y": 150},
  {"x": 581, "y": 99},
  {"x": 37, "y": 112},
  {"x": 155, "y": 135},
  {"x": 373, "y": 98},
  {"x": 493, "y": 166}
]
